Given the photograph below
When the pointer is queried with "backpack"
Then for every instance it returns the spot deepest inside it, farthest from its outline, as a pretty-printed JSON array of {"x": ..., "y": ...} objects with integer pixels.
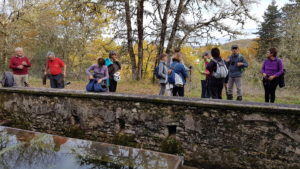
[
  {"x": 281, "y": 81},
  {"x": 175, "y": 78},
  {"x": 156, "y": 70},
  {"x": 221, "y": 71},
  {"x": 7, "y": 79}
]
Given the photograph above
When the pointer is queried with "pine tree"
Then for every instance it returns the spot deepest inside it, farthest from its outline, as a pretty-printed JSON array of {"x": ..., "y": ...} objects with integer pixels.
[{"x": 269, "y": 30}]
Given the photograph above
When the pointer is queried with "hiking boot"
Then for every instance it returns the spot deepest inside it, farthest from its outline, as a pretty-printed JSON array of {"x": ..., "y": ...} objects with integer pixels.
[
  {"x": 239, "y": 98},
  {"x": 229, "y": 97}
]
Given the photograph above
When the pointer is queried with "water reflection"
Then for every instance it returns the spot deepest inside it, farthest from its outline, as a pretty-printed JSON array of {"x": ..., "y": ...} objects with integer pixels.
[{"x": 21, "y": 149}]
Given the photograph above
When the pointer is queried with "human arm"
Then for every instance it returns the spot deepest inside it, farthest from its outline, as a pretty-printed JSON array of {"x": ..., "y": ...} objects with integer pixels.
[
  {"x": 183, "y": 71},
  {"x": 242, "y": 62},
  {"x": 280, "y": 69},
  {"x": 160, "y": 71},
  {"x": 26, "y": 63},
  {"x": 88, "y": 71},
  {"x": 13, "y": 64}
]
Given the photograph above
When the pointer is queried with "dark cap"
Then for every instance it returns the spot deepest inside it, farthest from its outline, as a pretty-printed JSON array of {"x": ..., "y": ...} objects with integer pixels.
[
  {"x": 234, "y": 47},
  {"x": 205, "y": 53}
]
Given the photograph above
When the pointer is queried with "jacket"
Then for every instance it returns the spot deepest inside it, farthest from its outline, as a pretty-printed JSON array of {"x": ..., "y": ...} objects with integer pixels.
[
  {"x": 179, "y": 68},
  {"x": 212, "y": 67},
  {"x": 233, "y": 68},
  {"x": 163, "y": 72}
]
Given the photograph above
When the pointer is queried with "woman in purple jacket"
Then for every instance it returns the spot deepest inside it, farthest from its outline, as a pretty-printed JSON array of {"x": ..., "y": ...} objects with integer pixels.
[
  {"x": 272, "y": 68},
  {"x": 100, "y": 71}
]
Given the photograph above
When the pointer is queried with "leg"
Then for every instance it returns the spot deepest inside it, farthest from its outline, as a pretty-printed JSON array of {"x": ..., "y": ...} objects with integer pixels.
[
  {"x": 230, "y": 88},
  {"x": 207, "y": 94},
  {"x": 162, "y": 89},
  {"x": 219, "y": 90},
  {"x": 267, "y": 92},
  {"x": 53, "y": 81},
  {"x": 112, "y": 85},
  {"x": 60, "y": 81},
  {"x": 18, "y": 80},
  {"x": 273, "y": 86},
  {"x": 203, "y": 83},
  {"x": 238, "y": 83},
  {"x": 181, "y": 91},
  {"x": 26, "y": 81},
  {"x": 175, "y": 91}
]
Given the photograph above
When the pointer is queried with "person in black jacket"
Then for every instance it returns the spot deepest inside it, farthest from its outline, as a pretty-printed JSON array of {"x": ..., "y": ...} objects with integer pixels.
[
  {"x": 215, "y": 85},
  {"x": 112, "y": 69}
]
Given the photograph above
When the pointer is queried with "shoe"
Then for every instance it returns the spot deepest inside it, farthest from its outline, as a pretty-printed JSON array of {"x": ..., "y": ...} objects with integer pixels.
[
  {"x": 67, "y": 83},
  {"x": 239, "y": 98},
  {"x": 229, "y": 97}
]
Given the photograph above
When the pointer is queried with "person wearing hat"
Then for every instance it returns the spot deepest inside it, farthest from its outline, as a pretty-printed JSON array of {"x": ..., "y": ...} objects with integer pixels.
[
  {"x": 236, "y": 66},
  {"x": 204, "y": 74}
]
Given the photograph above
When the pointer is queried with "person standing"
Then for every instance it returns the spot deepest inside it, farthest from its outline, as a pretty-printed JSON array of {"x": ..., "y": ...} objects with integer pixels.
[
  {"x": 272, "y": 68},
  {"x": 114, "y": 71},
  {"x": 56, "y": 69},
  {"x": 163, "y": 73},
  {"x": 20, "y": 65},
  {"x": 237, "y": 64},
  {"x": 216, "y": 83},
  {"x": 204, "y": 75},
  {"x": 178, "y": 68}
]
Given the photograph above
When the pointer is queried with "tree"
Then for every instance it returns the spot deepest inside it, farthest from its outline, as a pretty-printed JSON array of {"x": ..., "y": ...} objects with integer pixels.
[{"x": 269, "y": 30}]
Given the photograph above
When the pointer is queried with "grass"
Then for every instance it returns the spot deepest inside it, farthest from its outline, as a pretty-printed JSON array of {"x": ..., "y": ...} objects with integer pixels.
[{"x": 252, "y": 92}]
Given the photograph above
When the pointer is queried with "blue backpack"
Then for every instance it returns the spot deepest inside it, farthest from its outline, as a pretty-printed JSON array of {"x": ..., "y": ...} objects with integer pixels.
[
  {"x": 94, "y": 86},
  {"x": 7, "y": 79},
  {"x": 156, "y": 70}
]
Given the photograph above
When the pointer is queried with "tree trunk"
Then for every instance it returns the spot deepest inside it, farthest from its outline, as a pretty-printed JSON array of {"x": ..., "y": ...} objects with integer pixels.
[
  {"x": 162, "y": 34},
  {"x": 130, "y": 40},
  {"x": 180, "y": 9},
  {"x": 140, "y": 22}
]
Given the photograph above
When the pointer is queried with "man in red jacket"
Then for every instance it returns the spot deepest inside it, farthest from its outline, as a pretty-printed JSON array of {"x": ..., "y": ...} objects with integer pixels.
[{"x": 20, "y": 65}]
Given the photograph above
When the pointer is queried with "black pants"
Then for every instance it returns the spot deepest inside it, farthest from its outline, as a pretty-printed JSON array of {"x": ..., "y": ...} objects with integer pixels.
[
  {"x": 205, "y": 91},
  {"x": 178, "y": 91},
  {"x": 270, "y": 89},
  {"x": 112, "y": 85},
  {"x": 57, "y": 81},
  {"x": 216, "y": 87}
]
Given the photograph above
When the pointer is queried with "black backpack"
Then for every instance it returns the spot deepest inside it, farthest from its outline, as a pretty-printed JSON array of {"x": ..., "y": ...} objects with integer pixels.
[
  {"x": 281, "y": 81},
  {"x": 7, "y": 79}
]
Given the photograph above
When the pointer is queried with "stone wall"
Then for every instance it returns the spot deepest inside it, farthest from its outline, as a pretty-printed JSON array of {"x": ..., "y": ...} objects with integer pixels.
[{"x": 209, "y": 133}]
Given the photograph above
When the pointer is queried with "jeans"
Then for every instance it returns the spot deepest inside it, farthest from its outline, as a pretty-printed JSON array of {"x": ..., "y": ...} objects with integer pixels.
[
  {"x": 270, "y": 89},
  {"x": 237, "y": 82},
  {"x": 112, "y": 85},
  {"x": 205, "y": 93},
  {"x": 178, "y": 91},
  {"x": 57, "y": 81},
  {"x": 162, "y": 89}
]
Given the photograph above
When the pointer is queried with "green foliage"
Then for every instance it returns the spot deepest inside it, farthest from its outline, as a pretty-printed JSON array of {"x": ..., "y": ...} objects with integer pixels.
[
  {"x": 124, "y": 140},
  {"x": 172, "y": 146},
  {"x": 269, "y": 30},
  {"x": 74, "y": 132}
]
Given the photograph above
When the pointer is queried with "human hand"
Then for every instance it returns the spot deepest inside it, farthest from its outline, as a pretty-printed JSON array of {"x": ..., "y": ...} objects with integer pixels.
[
  {"x": 20, "y": 67},
  {"x": 24, "y": 63},
  {"x": 100, "y": 80},
  {"x": 240, "y": 63},
  {"x": 91, "y": 77},
  {"x": 271, "y": 77},
  {"x": 169, "y": 71},
  {"x": 264, "y": 75},
  {"x": 207, "y": 73}
]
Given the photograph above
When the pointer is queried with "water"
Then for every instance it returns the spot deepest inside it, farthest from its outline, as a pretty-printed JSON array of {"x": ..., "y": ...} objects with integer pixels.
[{"x": 20, "y": 149}]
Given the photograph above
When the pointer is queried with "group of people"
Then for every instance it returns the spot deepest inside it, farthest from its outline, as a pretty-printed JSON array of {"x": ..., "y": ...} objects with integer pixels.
[
  {"x": 217, "y": 73},
  {"x": 105, "y": 72}
]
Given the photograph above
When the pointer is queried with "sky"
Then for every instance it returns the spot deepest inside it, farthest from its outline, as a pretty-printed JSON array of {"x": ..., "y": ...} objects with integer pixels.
[{"x": 251, "y": 26}]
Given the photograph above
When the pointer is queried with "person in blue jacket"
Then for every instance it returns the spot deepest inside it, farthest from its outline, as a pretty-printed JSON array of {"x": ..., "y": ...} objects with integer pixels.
[{"x": 178, "y": 67}]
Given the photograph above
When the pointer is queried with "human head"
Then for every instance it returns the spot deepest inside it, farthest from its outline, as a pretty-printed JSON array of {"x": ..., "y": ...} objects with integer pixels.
[
  {"x": 163, "y": 57},
  {"x": 113, "y": 55},
  {"x": 50, "y": 55},
  {"x": 100, "y": 62},
  {"x": 205, "y": 55},
  {"x": 19, "y": 51},
  {"x": 215, "y": 52},
  {"x": 178, "y": 56},
  {"x": 235, "y": 49},
  {"x": 177, "y": 50},
  {"x": 272, "y": 52}
]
